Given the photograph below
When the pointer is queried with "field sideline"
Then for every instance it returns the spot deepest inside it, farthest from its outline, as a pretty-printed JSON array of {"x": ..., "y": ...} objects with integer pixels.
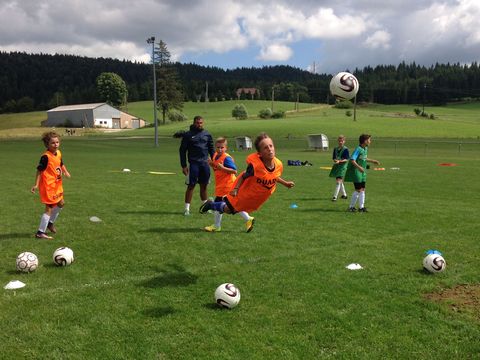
[{"x": 143, "y": 281}]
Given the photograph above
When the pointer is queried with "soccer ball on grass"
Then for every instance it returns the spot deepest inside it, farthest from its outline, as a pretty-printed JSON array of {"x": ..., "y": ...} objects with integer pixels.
[
  {"x": 63, "y": 256},
  {"x": 434, "y": 263},
  {"x": 227, "y": 295},
  {"x": 344, "y": 86},
  {"x": 27, "y": 262}
]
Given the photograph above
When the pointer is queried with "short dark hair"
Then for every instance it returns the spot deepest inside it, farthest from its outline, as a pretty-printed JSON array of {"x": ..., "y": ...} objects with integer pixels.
[
  {"x": 363, "y": 138},
  {"x": 47, "y": 136},
  {"x": 259, "y": 139},
  {"x": 198, "y": 117}
]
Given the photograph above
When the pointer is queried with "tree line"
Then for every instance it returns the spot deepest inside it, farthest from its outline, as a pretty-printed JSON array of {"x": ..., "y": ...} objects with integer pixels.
[{"x": 41, "y": 81}]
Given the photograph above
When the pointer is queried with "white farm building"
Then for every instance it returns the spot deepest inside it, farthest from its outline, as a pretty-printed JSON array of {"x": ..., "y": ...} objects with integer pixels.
[{"x": 91, "y": 115}]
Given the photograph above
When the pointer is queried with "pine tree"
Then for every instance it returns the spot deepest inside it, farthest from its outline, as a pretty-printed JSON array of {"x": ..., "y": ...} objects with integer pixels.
[{"x": 169, "y": 88}]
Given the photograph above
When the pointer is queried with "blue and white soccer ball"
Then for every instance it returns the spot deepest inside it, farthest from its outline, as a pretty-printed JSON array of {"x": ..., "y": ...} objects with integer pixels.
[
  {"x": 434, "y": 263},
  {"x": 27, "y": 262},
  {"x": 227, "y": 295},
  {"x": 63, "y": 256},
  {"x": 344, "y": 86}
]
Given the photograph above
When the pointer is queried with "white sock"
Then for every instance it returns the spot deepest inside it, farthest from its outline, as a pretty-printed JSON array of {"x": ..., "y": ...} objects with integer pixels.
[
  {"x": 218, "y": 219},
  {"x": 44, "y": 222},
  {"x": 187, "y": 206},
  {"x": 337, "y": 189},
  {"x": 342, "y": 187},
  {"x": 244, "y": 215},
  {"x": 55, "y": 212},
  {"x": 361, "y": 199},
  {"x": 354, "y": 199}
]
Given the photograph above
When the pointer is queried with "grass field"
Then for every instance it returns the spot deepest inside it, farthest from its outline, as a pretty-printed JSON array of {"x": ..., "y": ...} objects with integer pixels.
[{"x": 143, "y": 281}]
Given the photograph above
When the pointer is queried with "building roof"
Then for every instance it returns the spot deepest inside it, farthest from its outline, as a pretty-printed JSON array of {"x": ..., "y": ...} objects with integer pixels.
[{"x": 77, "y": 107}]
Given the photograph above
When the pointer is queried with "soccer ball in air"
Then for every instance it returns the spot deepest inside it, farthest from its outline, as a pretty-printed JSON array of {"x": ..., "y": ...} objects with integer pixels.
[
  {"x": 227, "y": 295},
  {"x": 434, "y": 263},
  {"x": 27, "y": 262},
  {"x": 344, "y": 86},
  {"x": 63, "y": 256}
]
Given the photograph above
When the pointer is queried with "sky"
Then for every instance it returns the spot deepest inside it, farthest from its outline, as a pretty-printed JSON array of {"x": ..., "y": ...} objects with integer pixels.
[{"x": 325, "y": 36}]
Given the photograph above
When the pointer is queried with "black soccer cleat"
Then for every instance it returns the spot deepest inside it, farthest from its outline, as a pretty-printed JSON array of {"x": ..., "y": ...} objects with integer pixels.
[
  {"x": 352, "y": 209},
  {"x": 206, "y": 206},
  {"x": 344, "y": 197},
  {"x": 364, "y": 209}
]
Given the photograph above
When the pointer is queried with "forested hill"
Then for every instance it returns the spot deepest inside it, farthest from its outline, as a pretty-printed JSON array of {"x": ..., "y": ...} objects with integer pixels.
[{"x": 41, "y": 81}]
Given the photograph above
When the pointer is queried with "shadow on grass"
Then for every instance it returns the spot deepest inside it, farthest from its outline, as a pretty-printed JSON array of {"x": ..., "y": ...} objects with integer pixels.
[
  {"x": 214, "y": 307},
  {"x": 340, "y": 210},
  {"x": 171, "y": 230},
  {"x": 15, "y": 272},
  {"x": 149, "y": 212},
  {"x": 159, "y": 312},
  {"x": 307, "y": 199},
  {"x": 16, "y": 236},
  {"x": 175, "y": 276}
]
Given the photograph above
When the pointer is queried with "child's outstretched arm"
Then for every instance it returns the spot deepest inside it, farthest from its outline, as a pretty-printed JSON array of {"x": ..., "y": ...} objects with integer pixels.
[
  {"x": 234, "y": 191},
  {"x": 376, "y": 162},
  {"x": 288, "y": 184}
]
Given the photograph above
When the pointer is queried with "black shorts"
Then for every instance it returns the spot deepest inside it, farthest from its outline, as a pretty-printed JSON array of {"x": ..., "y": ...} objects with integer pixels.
[
  {"x": 198, "y": 173},
  {"x": 359, "y": 186}
]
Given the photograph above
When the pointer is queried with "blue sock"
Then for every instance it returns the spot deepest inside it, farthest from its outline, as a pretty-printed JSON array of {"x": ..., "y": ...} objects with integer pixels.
[{"x": 218, "y": 206}]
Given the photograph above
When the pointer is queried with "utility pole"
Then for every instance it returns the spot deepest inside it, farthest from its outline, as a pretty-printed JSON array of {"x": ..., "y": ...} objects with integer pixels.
[
  {"x": 273, "y": 96},
  {"x": 423, "y": 102},
  {"x": 151, "y": 40},
  {"x": 206, "y": 91},
  {"x": 355, "y": 108}
]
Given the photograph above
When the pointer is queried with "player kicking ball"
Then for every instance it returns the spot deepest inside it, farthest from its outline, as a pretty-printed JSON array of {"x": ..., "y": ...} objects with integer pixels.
[
  {"x": 256, "y": 184},
  {"x": 225, "y": 172}
]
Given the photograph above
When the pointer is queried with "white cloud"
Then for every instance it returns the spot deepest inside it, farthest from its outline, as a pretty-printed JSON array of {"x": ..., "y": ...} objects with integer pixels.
[
  {"x": 341, "y": 35},
  {"x": 379, "y": 39},
  {"x": 275, "y": 52}
]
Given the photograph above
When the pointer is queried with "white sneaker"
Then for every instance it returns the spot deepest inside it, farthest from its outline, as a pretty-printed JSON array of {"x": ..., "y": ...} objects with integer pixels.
[{"x": 186, "y": 212}]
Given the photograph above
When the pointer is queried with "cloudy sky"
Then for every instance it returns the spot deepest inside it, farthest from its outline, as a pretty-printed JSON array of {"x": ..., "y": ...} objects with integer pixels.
[{"x": 335, "y": 35}]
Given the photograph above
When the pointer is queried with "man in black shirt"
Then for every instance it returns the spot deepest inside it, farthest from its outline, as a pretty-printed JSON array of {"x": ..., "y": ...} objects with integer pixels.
[{"x": 196, "y": 147}]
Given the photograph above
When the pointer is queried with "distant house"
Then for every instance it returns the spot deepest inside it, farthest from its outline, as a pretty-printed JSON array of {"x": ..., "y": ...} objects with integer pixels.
[
  {"x": 250, "y": 91},
  {"x": 92, "y": 115}
]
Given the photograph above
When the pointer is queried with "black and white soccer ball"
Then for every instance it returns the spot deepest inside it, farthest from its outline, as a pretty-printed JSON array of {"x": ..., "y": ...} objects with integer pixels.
[
  {"x": 227, "y": 295},
  {"x": 434, "y": 263},
  {"x": 344, "y": 86},
  {"x": 27, "y": 262},
  {"x": 63, "y": 256}
]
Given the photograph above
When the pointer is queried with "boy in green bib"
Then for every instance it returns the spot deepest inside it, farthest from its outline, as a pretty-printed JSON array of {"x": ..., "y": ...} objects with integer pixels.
[
  {"x": 357, "y": 172},
  {"x": 340, "y": 161}
]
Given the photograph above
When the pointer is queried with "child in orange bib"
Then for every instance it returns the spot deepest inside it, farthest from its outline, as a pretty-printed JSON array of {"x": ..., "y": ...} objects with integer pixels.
[
  {"x": 48, "y": 181},
  {"x": 225, "y": 172},
  {"x": 256, "y": 184}
]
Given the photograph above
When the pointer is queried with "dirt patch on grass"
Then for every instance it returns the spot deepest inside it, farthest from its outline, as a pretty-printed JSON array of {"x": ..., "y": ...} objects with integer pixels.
[{"x": 464, "y": 298}]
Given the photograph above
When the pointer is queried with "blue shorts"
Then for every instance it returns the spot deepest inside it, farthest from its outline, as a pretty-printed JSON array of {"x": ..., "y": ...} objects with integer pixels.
[{"x": 198, "y": 173}]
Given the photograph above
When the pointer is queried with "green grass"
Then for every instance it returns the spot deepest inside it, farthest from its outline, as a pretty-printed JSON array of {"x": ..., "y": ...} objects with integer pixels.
[
  {"x": 143, "y": 281},
  {"x": 398, "y": 121}
]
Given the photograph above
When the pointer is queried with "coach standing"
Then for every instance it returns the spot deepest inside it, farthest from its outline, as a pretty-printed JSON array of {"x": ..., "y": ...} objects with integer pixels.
[{"x": 198, "y": 144}]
